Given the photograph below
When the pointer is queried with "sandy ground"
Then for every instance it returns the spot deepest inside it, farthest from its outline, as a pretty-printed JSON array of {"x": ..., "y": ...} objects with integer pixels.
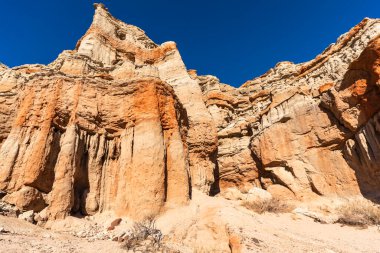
[
  {"x": 258, "y": 233},
  {"x": 25, "y": 237},
  {"x": 279, "y": 232},
  {"x": 272, "y": 233}
]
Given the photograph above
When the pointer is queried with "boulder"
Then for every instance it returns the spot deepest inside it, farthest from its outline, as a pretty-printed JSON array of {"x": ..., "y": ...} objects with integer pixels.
[
  {"x": 27, "y": 216},
  {"x": 256, "y": 194},
  {"x": 27, "y": 198}
]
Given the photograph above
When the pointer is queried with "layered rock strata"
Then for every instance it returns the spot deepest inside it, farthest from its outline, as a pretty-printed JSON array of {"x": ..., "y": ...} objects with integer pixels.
[
  {"x": 116, "y": 124},
  {"x": 119, "y": 124},
  {"x": 301, "y": 129}
]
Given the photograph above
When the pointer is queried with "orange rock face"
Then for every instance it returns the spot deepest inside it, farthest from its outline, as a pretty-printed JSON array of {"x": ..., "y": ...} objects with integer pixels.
[
  {"x": 94, "y": 146},
  {"x": 98, "y": 129},
  {"x": 119, "y": 124}
]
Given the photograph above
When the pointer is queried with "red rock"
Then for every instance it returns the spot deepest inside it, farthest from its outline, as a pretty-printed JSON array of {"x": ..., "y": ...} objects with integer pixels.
[{"x": 119, "y": 124}]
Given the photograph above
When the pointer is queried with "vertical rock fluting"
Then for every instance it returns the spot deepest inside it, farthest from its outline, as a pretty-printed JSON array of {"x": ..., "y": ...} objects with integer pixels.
[
  {"x": 356, "y": 104},
  {"x": 119, "y": 124},
  {"x": 91, "y": 146},
  {"x": 132, "y": 53},
  {"x": 116, "y": 124},
  {"x": 202, "y": 137},
  {"x": 363, "y": 154}
]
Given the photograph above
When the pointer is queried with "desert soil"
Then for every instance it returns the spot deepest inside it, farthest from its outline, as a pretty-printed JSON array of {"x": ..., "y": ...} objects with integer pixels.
[{"x": 259, "y": 233}]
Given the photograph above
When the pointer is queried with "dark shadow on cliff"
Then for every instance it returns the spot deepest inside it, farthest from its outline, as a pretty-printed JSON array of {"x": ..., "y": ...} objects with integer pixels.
[
  {"x": 215, "y": 187},
  {"x": 367, "y": 175},
  {"x": 81, "y": 181}
]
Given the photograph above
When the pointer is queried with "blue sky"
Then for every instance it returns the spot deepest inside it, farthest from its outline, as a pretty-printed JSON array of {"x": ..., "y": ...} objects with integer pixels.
[{"x": 234, "y": 40}]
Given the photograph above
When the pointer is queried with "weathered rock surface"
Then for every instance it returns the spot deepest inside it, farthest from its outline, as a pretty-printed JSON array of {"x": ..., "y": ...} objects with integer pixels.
[
  {"x": 2, "y": 67},
  {"x": 119, "y": 124},
  {"x": 101, "y": 128},
  {"x": 131, "y": 54},
  {"x": 27, "y": 198},
  {"x": 303, "y": 130},
  {"x": 232, "y": 111}
]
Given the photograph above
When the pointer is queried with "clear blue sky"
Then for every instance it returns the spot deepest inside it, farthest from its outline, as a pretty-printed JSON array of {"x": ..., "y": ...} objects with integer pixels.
[{"x": 235, "y": 40}]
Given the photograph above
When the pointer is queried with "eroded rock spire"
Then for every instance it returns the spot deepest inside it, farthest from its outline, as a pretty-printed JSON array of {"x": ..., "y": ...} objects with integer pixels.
[{"x": 116, "y": 124}]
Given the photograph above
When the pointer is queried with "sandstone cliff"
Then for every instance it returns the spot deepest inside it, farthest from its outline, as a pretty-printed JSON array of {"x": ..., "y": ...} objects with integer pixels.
[
  {"x": 119, "y": 124},
  {"x": 116, "y": 124},
  {"x": 303, "y": 130}
]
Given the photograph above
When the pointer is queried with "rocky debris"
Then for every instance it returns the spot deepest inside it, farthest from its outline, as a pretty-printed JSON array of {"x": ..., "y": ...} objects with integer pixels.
[
  {"x": 114, "y": 223},
  {"x": 27, "y": 216},
  {"x": 30, "y": 216},
  {"x": 8, "y": 210},
  {"x": 317, "y": 217},
  {"x": 235, "y": 242},
  {"x": 139, "y": 237},
  {"x": 41, "y": 217},
  {"x": 245, "y": 230},
  {"x": 93, "y": 234},
  {"x": 254, "y": 194},
  {"x": 4, "y": 231},
  {"x": 232, "y": 193}
]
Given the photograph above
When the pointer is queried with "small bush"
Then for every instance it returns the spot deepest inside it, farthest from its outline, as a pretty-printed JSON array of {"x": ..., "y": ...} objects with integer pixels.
[
  {"x": 144, "y": 234},
  {"x": 271, "y": 205},
  {"x": 359, "y": 213}
]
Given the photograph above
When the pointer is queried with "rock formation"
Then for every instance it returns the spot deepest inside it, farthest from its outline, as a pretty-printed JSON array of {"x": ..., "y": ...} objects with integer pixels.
[
  {"x": 304, "y": 130},
  {"x": 119, "y": 124},
  {"x": 116, "y": 124}
]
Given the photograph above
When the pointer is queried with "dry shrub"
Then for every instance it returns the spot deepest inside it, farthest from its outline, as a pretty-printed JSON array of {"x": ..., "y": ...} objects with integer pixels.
[
  {"x": 270, "y": 205},
  {"x": 145, "y": 237},
  {"x": 359, "y": 212},
  {"x": 142, "y": 231}
]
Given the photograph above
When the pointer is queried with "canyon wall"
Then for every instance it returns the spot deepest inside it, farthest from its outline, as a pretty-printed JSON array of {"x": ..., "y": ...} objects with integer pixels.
[
  {"x": 116, "y": 124},
  {"x": 303, "y": 130},
  {"x": 119, "y": 124}
]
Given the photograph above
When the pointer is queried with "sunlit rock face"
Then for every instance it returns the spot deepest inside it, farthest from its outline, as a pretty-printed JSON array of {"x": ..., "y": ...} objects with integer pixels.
[
  {"x": 116, "y": 124},
  {"x": 304, "y": 130},
  {"x": 119, "y": 124}
]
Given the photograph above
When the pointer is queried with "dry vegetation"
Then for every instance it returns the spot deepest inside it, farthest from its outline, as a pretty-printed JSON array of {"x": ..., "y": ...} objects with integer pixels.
[
  {"x": 145, "y": 237},
  {"x": 271, "y": 205},
  {"x": 141, "y": 232},
  {"x": 359, "y": 212}
]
